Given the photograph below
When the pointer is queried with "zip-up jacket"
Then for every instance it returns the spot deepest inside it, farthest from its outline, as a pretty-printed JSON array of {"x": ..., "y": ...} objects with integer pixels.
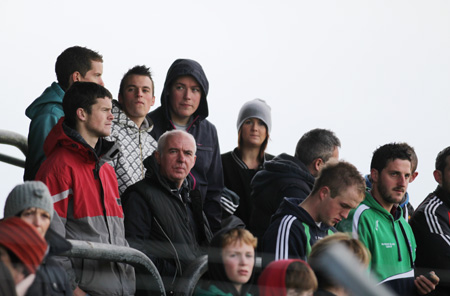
[
  {"x": 44, "y": 113},
  {"x": 431, "y": 226},
  {"x": 88, "y": 207},
  {"x": 283, "y": 176},
  {"x": 136, "y": 144},
  {"x": 238, "y": 177},
  {"x": 389, "y": 239},
  {"x": 51, "y": 279},
  {"x": 165, "y": 223},
  {"x": 292, "y": 233},
  {"x": 207, "y": 175}
]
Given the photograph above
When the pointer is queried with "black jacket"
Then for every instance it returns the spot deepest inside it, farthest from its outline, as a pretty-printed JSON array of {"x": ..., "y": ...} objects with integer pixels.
[
  {"x": 292, "y": 233},
  {"x": 237, "y": 178},
  {"x": 166, "y": 224},
  {"x": 431, "y": 226},
  {"x": 283, "y": 176},
  {"x": 207, "y": 175},
  {"x": 51, "y": 278}
]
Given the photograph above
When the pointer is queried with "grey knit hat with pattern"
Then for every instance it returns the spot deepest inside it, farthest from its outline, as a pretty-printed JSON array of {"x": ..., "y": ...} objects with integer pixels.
[
  {"x": 31, "y": 194},
  {"x": 256, "y": 108}
]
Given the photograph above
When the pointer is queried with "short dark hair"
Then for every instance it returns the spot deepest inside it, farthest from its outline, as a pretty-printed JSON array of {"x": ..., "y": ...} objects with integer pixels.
[
  {"x": 137, "y": 70},
  {"x": 441, "y": 159},
  {"x": 338, "y": 177},
  {"x": 81, "y": 95},
  {"x": 414, "y": 158},
  {"x": 317, "y": 143},
  {"x": 388, "y": 152},
  {"x": 73, "y": 59}
]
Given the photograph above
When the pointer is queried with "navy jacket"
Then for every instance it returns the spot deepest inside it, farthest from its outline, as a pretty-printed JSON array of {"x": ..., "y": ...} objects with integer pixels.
[
  {"x": 292, "y": 233},
  {"x": 206, "y": 175},
  {"x": 283, "y": 176}
]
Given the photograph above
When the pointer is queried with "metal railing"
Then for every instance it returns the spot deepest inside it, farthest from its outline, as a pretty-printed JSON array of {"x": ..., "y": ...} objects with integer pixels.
[
  {"x": 112, "y": 253},
  {"x": 16, "y": 140}
]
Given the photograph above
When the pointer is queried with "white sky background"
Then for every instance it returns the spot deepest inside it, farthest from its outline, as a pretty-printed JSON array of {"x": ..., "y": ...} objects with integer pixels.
[{"x": 372, "y": 71}]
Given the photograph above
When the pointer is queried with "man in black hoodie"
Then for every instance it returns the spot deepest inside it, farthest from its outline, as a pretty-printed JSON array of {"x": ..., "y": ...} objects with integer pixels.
[
  {"x": 287, "y": 176},
  {"x": 184, "y": 106}
]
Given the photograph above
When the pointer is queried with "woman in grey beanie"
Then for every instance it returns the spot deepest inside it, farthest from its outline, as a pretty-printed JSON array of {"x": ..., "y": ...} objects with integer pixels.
[
  {"x": 254, "y": 123},
  {"x": 32, "y": 202}
]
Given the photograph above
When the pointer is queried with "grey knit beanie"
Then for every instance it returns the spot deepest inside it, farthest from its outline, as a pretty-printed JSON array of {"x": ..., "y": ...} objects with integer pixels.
[
  {"x": 256, "y": 108},
  {"x": 31, "y": 194}
]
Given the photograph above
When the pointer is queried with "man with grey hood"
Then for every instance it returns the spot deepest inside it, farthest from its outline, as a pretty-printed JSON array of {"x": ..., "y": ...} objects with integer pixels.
[{"x": 184, "y": 106}]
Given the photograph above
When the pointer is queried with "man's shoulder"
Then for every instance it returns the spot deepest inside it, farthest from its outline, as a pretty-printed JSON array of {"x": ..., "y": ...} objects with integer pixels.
[
  {"x": 359, "y": 216},
  {"x": 431, "y": 210},
  {"x": 146, "y": 188},
  {"x": 204, "y": 130},
  {"x": 49, "y": 101}
]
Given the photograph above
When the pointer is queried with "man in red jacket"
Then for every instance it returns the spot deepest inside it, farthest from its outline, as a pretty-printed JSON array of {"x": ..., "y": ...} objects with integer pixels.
[{"x": 84, "y": 188}]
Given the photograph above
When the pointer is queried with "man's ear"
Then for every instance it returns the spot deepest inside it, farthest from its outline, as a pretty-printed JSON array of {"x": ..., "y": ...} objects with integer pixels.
[
  {"x": 153, "y": 101},
  {"x": 157, "y": 157},
  {"x": 438, "y": 176},
  {"x": 374, "y": 175},
  {"x": 76, "y": 76},
  {"x": 316, "y": 166},
  {"x": 324, "y": 192},
  {"x": 413, "y": 177},
  {"x": 81, "y": 114}
]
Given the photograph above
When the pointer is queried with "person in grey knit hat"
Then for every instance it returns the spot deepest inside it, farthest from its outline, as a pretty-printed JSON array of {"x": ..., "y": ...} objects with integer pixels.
[
  {"x": 32, "y": 202},
  {"x": 254, "y": 124},
  {"x": 256, "y": 108},
  {"x": 31, "y": 194}
]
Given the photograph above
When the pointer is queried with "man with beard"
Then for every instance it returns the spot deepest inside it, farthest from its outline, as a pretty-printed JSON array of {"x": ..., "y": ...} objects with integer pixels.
[
  {"x": 379, "y": 224},
  {"x": 431, "y": 227}
]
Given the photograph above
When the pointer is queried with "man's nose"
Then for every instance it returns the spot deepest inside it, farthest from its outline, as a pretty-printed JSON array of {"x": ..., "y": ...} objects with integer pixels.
[{"x": 403, "y": 180}]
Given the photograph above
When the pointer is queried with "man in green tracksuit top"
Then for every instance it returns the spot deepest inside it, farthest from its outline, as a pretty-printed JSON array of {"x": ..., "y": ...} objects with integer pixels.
[{"x": 379, "y": 224}]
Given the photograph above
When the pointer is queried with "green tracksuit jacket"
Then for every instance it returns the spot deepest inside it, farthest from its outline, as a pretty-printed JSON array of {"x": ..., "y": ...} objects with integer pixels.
[{"x": 390, "y": 240}]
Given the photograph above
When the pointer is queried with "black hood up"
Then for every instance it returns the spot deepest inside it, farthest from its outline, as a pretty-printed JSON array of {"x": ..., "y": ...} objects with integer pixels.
[{"x": 183, "y": 67}]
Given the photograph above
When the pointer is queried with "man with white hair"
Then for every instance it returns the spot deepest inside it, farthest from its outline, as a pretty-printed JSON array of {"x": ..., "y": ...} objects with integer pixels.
[{"x": 163, "y": 217}]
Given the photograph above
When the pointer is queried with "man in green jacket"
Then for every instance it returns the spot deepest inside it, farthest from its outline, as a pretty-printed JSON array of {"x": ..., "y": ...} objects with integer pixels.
[
  {"x": 379, "y": 224},
  {"x": 73, "y": 64}
]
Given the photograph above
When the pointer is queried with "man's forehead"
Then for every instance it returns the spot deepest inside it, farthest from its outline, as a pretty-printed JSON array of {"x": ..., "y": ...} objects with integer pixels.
[
  {"x": 96, "y": 63},
  {"x": 148, "y": 82},
  {"x": 180, "y": 141},
  {"x": 105, "y": 101},
  {"x": 394, "y": 164}
]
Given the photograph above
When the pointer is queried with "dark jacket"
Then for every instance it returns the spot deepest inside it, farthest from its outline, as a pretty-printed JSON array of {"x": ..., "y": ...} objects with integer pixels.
[
  {"x": 207, "y": 175},
  {"x": 165, "y": 223},
  {"x": 237, "y": 178},
  {"x": 431, "y": 226},
  {"x": 283, "y": 176},
  {"x": 292, "y": 233},
  {"x": 51, "y": 278}
]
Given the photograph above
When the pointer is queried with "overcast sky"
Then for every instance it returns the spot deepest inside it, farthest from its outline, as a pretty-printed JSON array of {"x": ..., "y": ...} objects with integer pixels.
[{"x": 372, "y": 71}]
